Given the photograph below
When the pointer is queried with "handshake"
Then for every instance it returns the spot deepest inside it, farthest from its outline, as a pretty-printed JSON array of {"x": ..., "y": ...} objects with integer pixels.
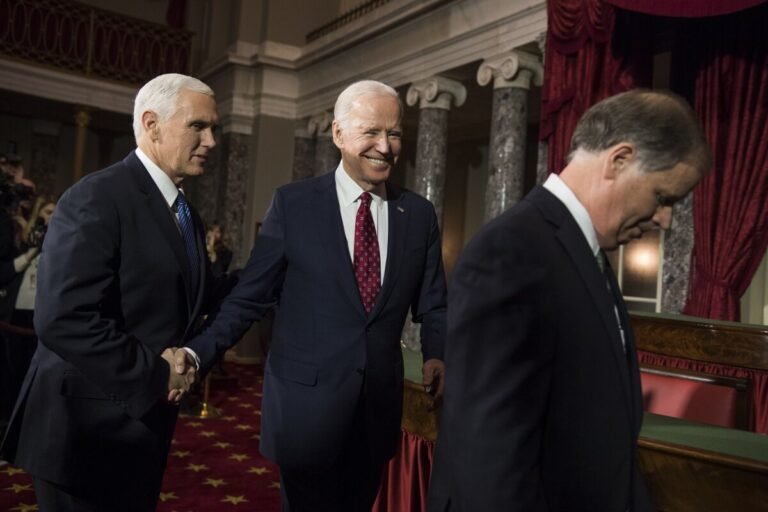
[{"x": 183, "y": 373}]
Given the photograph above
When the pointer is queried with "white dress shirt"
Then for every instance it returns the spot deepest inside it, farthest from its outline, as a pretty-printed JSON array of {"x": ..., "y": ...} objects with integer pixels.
[{"x": 349, "y": 196}]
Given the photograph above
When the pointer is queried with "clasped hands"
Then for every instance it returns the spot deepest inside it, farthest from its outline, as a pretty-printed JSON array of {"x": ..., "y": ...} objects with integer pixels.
[{"x": 183, "y": 373}]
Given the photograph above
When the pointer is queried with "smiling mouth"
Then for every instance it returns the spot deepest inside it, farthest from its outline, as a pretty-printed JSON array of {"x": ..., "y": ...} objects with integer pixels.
[{"x": 376, "y": 161}]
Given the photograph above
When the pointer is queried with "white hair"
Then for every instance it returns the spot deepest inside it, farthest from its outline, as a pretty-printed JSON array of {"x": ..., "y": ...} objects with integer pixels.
[
  {"x": 354, "y": 92},
  {"x": 161, "y": 95}
]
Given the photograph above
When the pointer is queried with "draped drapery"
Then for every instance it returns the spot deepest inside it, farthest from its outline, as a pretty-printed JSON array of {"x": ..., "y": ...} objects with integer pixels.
[
  {"x": 585, "y": 63},
  {"x": 685, "y": 8},
  {"x": 406, "y": 477},
  {"x": 729, "y": 56}
]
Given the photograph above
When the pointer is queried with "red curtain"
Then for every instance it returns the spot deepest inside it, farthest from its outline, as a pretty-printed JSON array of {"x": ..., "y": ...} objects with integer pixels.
[
  {"x": 585, "y": 63},
  {"x": 730, "y": 56},
  {"x": 758, "y": 378},
  {"x": 406, "y": 478},
  {"x": 685, "y": 8}
]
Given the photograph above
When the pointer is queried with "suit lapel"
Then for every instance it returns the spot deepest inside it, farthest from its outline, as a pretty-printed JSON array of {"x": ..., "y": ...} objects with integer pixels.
[
  {"x": 331, "y": 228},
  {"x": 163, "y": 217},
  {"x": 398, "y": 216},
  {"x": 575, "y": 245}
]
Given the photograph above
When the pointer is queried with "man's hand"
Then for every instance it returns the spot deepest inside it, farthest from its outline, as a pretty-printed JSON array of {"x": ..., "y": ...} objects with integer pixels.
[
  {"x": 183, "y": 373},
  {"x": 434, "y": 381}
]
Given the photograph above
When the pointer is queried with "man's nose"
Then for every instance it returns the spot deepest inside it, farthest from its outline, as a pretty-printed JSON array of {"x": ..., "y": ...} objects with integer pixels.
[
  {"x": 209, "y": 138},
  {"x": 663, "y": 217},
  {"x": 383, "y": 145}
]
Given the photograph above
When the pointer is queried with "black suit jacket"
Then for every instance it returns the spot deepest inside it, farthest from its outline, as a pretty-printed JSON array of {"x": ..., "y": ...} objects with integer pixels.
[
  {"x": 325, "y": 352},
  {"x": 113, "y": 293},
  {"x": 542, "y": 406}
]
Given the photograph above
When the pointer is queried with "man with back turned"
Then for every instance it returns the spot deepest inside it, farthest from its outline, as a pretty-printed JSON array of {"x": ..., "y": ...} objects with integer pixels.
[{"x": 542, "y": 402}]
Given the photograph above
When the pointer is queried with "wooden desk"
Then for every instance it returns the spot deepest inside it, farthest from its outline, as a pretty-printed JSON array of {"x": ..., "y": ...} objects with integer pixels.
[
  {"x": 689, "y": 467},
  {"x": 701, "y": 468}
]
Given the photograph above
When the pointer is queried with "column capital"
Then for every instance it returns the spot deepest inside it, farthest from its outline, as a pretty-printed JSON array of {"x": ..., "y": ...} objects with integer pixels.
[
  {"x": 518, "y": 69},
  {"x": 320, "y": 124},
  {"x": 541, "y": 40},
  {"x": 436, "y": 92}
]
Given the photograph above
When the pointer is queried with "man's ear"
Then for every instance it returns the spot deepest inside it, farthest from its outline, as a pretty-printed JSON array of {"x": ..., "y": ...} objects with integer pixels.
[
  {"x": 618, "y": 158},
  {"x": 150, "y": 123},
  {"x": 336, "y": 131}
]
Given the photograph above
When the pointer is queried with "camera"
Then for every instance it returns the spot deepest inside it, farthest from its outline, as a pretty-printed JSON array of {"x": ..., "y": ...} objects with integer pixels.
[{"x": 37, "y": 234}]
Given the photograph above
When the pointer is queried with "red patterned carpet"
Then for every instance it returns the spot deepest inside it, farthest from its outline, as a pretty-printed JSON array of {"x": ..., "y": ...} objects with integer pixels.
[{"x": 214, "y": 464}]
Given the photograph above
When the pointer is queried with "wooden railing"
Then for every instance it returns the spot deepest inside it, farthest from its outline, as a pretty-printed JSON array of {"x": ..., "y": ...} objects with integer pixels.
[{"x": 71, "y": 36}]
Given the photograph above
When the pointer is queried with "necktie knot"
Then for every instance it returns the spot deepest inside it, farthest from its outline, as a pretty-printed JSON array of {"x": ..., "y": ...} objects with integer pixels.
[{"x": 365, "y": 200}]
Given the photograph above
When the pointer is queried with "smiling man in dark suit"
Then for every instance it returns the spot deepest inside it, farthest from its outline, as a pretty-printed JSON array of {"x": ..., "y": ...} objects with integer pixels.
[
  {"x": 344, "y": 257},
  {"x": 542, "y": 403},
  {"x": 121, "y": 281}
]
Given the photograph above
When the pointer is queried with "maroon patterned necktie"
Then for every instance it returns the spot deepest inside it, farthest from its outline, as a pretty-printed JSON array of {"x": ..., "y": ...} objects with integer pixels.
[{"x": 367, "y": 259}]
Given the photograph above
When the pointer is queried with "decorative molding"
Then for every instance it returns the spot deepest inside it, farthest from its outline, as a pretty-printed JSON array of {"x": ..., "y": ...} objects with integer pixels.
[
  {"x": 67, "y": 88},
  {"x": 518, "y": 69},
  {"x": 437, "y": 92},
  {"x": 450, "y": 37},
  {"x": 320, "y": 124}
]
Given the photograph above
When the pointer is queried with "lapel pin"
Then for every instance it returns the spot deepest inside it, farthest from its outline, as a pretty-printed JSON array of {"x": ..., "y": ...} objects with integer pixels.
[{"x": 400, "y": 209}]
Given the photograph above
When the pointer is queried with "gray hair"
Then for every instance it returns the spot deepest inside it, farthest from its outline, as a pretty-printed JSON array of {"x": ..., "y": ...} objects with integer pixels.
[
  {"x": 357, "y": 90},
  {"x": 161, "y": 94},
  {"x": 661, "y": 125}
]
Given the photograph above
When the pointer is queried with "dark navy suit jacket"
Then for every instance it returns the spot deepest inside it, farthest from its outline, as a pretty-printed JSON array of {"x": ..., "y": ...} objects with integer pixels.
[
  {"x": 113, "y": 293},
  {"x": 542, "y": 405},
  {"x": 326, "y": 353}
]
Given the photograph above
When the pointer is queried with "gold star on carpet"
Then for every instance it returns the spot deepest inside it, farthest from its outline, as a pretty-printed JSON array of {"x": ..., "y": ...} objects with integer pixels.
[
  {"x": 256, "y": 436},
  {"x": 10, "y": 471},
  {"x": 245, "y": 406},
  {"x": 258, "y": 471},
  {"x": 207, "y": 433},
  {"x": 258, "y": 394},
  {"x": 228, "y": 418},
  {"x": 235, "y": 500},
  {"x": 249, "y": 388},
  {"x": 257, "y": 412},
  {"x": 240, "y": 457},
  {"x": 233, "y": 398},
  {"x": 244, "y": 427},
  {"x": 164, "y": 496},
  {"x": 274, "y": 485},
  {"x": 197, "y": 467},
  {"x": 222, "y": 444},
  {"x": 215, "y": 482},
  {"x": 194, "y": 424},
  {"x": 17, "y": 488},
  {"x": 23, "y": 507},
  {"x": 181, "y": 453}
]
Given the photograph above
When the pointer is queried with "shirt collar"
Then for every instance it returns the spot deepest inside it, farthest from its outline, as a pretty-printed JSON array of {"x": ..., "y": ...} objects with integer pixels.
[
  {"x": 349, "y": 191},
  {"x": 162, "y": 180},
  {"x": 561, "y": 191}
]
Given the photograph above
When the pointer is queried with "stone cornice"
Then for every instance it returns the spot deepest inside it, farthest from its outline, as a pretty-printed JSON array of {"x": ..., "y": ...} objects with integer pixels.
[{"x": 66, "y": 87}]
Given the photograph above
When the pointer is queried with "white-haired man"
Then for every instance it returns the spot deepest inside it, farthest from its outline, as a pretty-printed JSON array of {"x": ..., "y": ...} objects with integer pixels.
[
  {"x": 121, "y": 280},
  {"x": 344, "y": 256}
]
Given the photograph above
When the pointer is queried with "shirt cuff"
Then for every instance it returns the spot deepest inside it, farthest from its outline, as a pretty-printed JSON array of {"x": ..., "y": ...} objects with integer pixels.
[{"x": 194, "y": 356}]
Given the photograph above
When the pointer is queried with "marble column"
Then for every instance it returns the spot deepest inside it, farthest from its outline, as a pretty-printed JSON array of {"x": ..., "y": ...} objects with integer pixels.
[
  {"x": 435, "y": 97},
  {"x": 232, "y": 192},
  {"x": 542, "y": 168},
  {"x": 512, "y": 77},
  {"x": 303, "y": 155},
  {"x": 45, "y": 156},
  {"x": 327, "y": 155},
  {"x": 82, "y": 120},
  {"x": 678, "y": 245}
]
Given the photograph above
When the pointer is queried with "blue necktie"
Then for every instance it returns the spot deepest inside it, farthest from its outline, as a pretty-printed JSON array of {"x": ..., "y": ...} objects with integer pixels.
[{"x": 190, "y": 240}]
